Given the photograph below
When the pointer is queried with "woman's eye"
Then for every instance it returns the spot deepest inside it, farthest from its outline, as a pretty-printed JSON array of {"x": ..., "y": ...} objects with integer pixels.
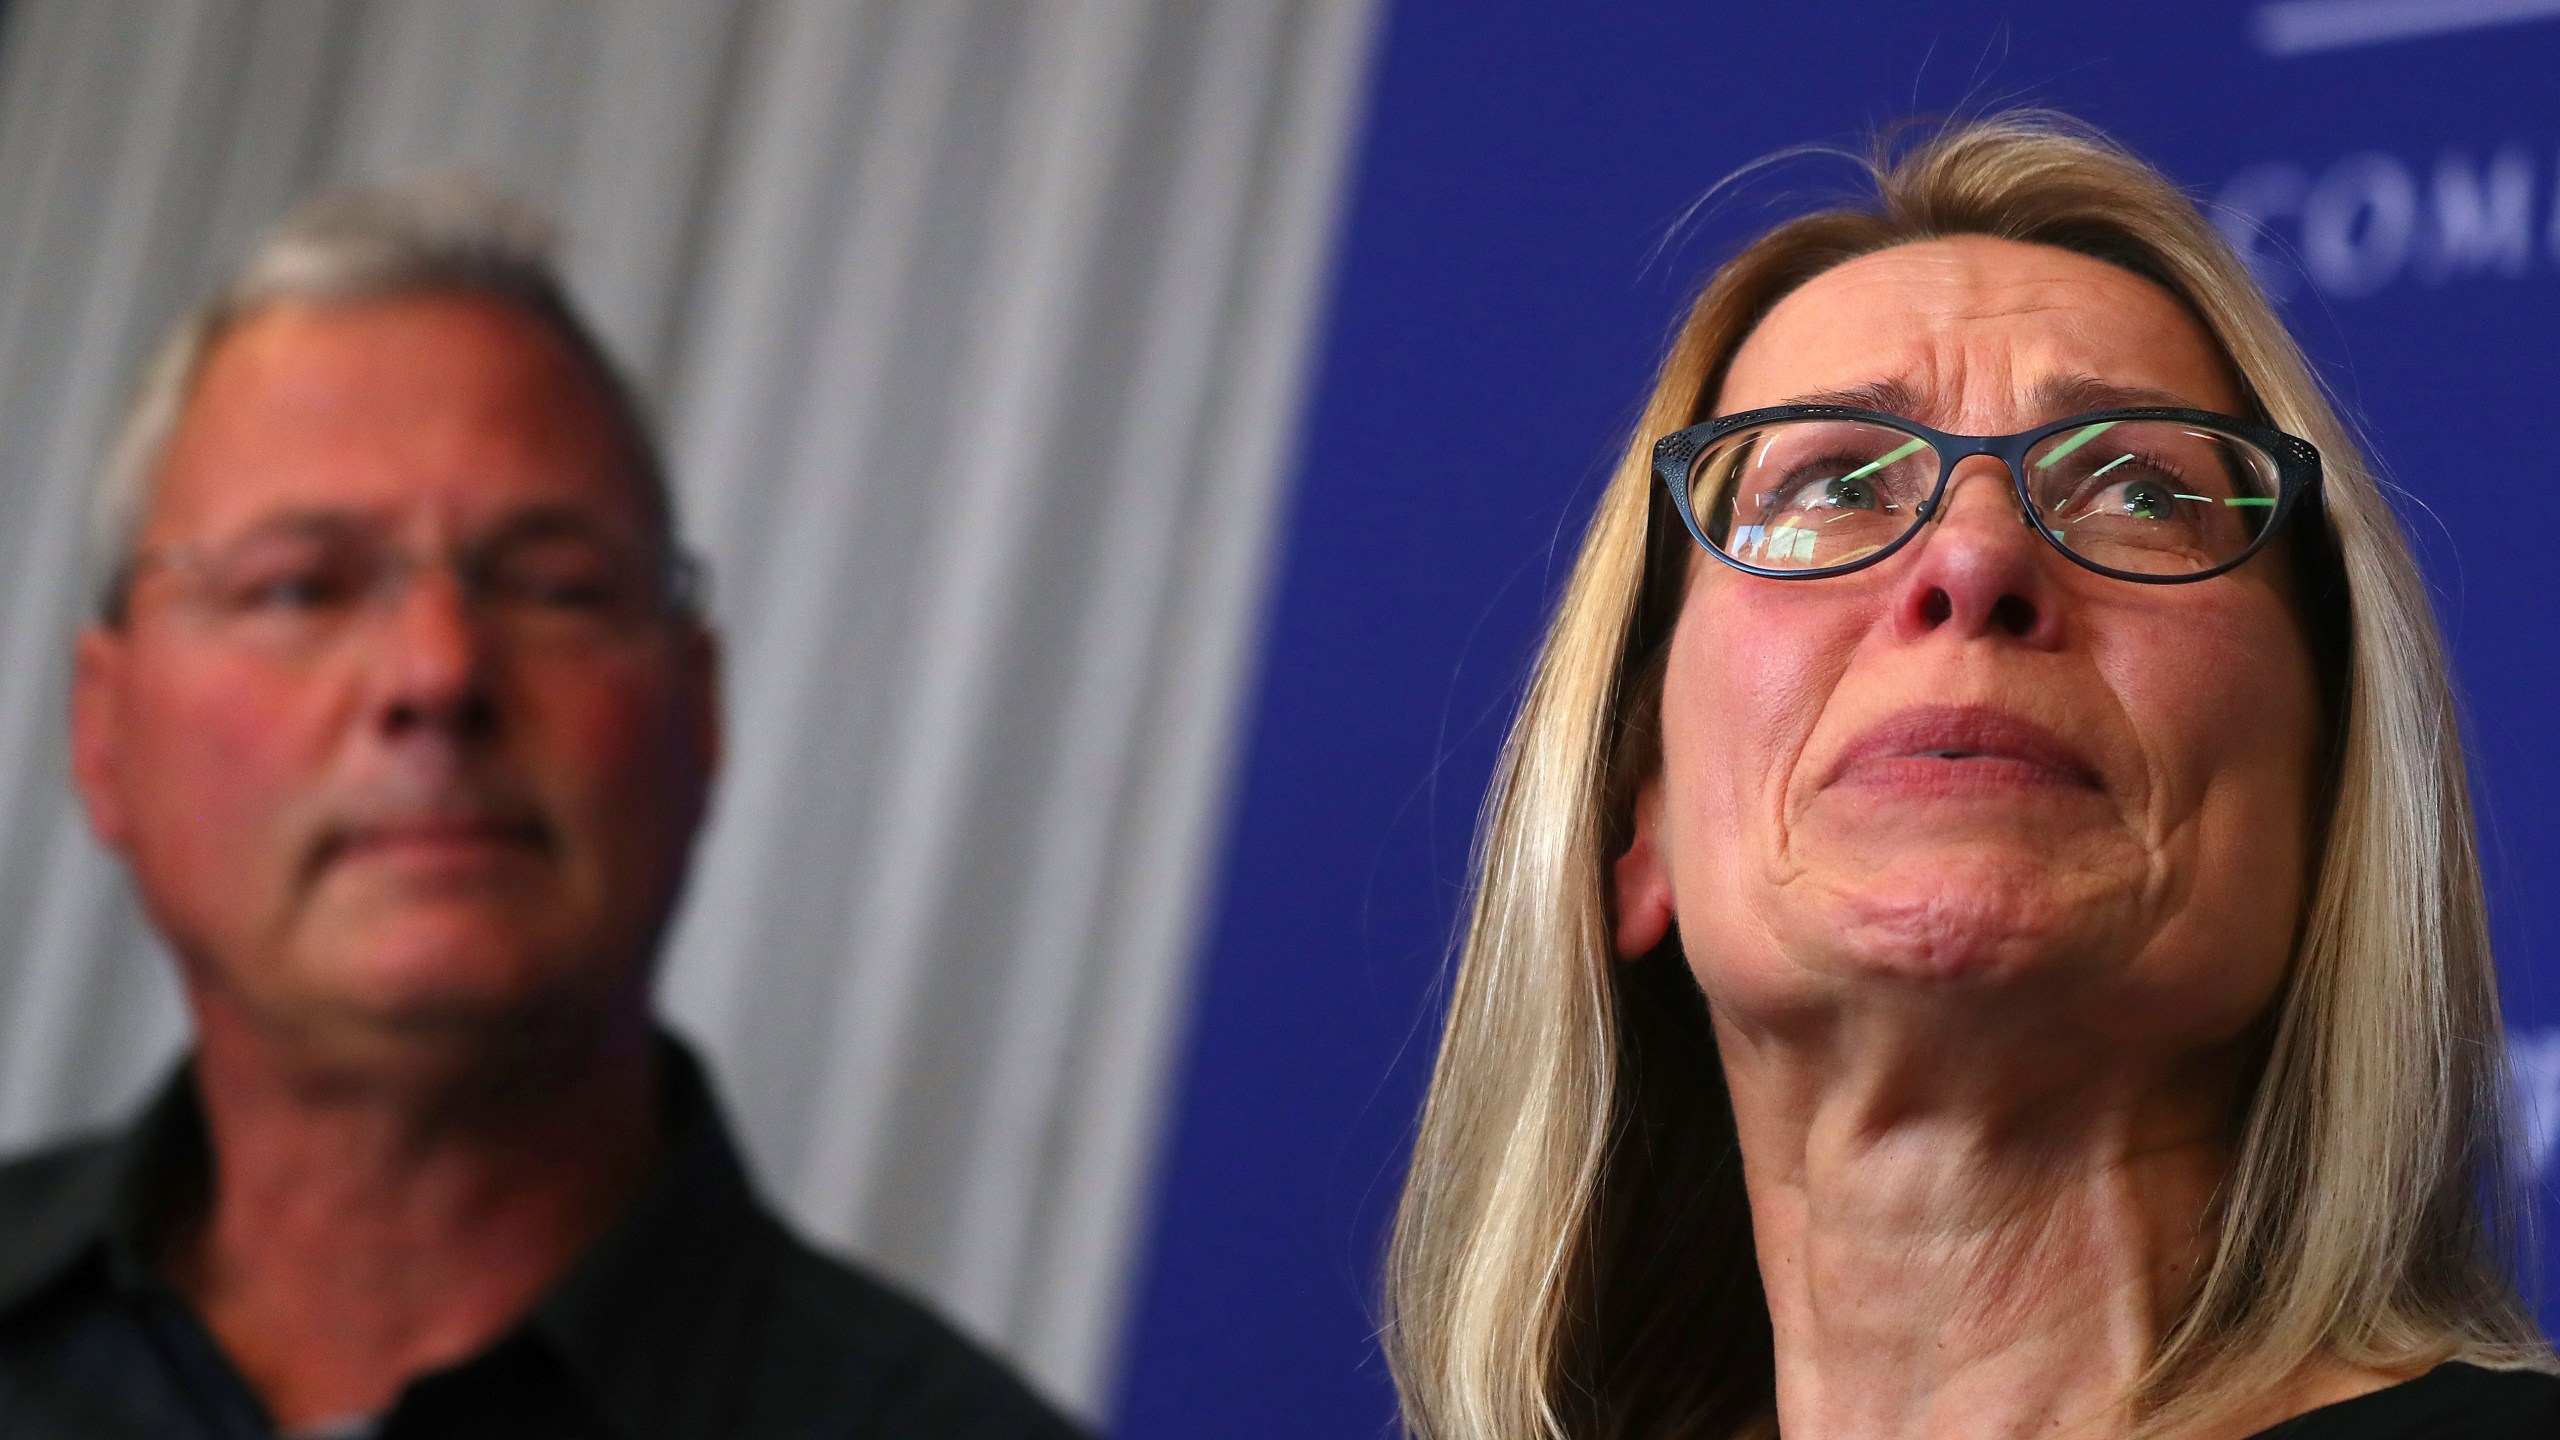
[
  {"x": 1836, "y": 492},
  {"x": 2139, "y": 500}
]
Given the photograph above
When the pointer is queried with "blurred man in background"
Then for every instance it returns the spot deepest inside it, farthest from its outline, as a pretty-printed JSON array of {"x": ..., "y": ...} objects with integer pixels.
[{"x": 399, "y": 709}]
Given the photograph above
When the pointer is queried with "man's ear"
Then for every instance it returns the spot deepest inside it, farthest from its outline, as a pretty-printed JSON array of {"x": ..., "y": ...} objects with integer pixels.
[
  {"x": 696, "y": 753},
  {"x": 98, "y": 668},
  {"x": 1641, "y": 895},
  {"x": 702, "y": 697}
]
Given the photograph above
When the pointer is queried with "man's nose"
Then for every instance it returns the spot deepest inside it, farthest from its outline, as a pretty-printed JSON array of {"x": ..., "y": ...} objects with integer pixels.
[
  {"x": 431, "y": 656},
  {"x": 1982, "y": 571}
]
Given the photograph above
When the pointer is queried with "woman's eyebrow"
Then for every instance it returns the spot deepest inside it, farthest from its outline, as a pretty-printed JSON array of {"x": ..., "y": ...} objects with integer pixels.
[
  {"x": 1892, "y": 397},
  {"x": 2051, "y": 398},
  {"x": 2059, "y": 395}
]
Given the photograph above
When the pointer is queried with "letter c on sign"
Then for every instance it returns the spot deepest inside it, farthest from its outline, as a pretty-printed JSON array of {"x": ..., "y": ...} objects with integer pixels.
[{"x": 2249, "y": 208}]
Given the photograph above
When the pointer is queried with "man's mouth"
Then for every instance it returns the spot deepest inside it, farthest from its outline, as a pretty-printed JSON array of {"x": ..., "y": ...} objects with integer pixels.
[{"x": 433, "y": 838}]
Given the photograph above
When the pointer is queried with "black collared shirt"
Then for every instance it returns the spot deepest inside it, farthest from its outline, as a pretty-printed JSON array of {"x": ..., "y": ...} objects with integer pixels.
[{"x": 696, "y": 1315}]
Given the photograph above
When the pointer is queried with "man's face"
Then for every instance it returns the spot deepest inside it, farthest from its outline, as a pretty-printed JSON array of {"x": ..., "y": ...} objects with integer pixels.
[{"x": 398, "y": 732}]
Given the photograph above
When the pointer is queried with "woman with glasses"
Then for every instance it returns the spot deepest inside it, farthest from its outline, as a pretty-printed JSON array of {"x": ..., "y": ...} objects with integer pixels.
[{"x": 1978, "y": 930}]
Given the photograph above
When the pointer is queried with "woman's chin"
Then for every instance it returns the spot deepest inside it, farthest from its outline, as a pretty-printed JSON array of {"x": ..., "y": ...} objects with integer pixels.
[{"x": 1980, "y": 915}]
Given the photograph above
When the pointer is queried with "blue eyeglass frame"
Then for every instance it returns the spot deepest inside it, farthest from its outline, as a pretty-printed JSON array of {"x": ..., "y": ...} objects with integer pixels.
[{"x": 1675, "y": 457}]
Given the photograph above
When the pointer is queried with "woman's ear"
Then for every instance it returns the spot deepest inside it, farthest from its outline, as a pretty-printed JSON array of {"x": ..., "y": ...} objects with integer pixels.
[{"x": 1641, "y": 895}]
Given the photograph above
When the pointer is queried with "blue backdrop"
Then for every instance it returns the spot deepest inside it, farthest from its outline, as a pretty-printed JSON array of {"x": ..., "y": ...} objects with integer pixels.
[{"x": 1503, "y": 291}]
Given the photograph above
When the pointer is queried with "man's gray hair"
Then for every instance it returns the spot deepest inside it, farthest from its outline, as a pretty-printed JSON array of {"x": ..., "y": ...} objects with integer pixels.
[{"x": 438, "y": 233}]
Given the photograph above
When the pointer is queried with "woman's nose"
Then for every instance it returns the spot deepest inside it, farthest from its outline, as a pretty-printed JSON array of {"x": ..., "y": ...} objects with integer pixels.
[{"x": 1981, "y": 570}]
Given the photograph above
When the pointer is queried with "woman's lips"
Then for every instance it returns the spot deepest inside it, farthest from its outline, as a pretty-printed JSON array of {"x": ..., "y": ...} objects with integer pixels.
[{"x": 1950, "y": 747}]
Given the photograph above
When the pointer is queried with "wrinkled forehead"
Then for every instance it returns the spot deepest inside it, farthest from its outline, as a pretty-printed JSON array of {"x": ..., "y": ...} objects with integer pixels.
[
  {"x": 1981, "y": 336},
  {"x": 439, "y": 412}
]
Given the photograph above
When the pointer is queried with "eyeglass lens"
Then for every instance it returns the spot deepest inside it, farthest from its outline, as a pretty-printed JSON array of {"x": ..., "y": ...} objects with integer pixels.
[{"x": 2148, "y": 497}]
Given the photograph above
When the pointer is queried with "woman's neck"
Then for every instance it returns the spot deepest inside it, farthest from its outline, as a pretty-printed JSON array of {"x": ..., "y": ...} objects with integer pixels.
[{"x": 1941, "y": 1264}]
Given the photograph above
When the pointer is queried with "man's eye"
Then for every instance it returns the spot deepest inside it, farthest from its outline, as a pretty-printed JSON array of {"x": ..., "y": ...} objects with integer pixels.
[
  {"x": 569, "y": 594},
  {"x": 568, "y": 588},
  {"x": 289, "y": 591}
]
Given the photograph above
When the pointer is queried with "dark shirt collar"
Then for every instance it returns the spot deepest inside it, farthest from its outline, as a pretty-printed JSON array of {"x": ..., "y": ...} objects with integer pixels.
[
  {"x": 659, "y": 1305},
  {"x": 664, "y": 1305}
]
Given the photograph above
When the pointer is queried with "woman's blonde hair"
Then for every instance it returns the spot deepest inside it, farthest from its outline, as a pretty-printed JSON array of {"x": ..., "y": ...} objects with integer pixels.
[{"x": 1572, "y": 1256}]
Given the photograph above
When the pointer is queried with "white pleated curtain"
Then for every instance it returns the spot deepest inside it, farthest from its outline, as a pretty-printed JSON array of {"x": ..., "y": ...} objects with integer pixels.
[{"x": 977, "y": 329}]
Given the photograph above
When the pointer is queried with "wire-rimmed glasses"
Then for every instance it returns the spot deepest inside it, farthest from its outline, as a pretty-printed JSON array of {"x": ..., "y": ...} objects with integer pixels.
[
  {"x": 2149, "y": 494},
  {"x": 305, "y": 586}
]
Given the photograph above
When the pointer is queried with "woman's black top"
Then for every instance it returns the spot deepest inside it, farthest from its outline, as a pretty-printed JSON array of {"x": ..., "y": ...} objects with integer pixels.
[{"x": 2451, "y": 1402}]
